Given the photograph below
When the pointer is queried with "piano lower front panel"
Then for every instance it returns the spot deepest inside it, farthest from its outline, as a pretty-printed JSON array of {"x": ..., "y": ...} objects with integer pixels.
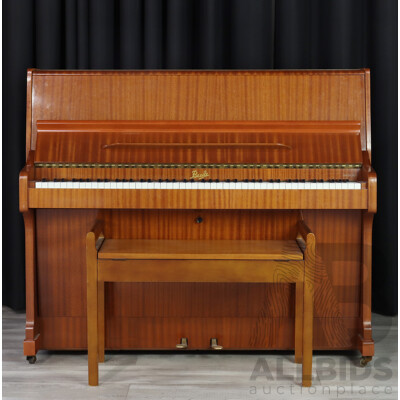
[
  {"x": 154, "y": 333},
  {"x": 156, "y": 315}
]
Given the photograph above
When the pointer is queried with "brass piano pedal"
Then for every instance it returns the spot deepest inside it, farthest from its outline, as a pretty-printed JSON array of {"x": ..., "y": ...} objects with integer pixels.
[
  {"x": 183, "y": 344},
  {"x": 215, "y": 345}
]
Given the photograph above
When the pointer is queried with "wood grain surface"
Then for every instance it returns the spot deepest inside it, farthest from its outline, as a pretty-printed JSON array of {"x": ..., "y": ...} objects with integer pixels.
[{"x": 156, "y": 315}]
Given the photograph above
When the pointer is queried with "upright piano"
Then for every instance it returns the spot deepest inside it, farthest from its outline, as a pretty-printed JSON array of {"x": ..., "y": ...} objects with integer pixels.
[{"x": 191, "y": 155}]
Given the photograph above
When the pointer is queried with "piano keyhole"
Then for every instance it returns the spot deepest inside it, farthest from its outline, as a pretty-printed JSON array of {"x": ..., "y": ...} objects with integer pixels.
[{"x": 199, "y": 220}]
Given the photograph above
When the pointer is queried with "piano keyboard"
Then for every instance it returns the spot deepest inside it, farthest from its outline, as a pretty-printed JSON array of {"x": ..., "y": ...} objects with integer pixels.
[{"x": 191, "y": 184}]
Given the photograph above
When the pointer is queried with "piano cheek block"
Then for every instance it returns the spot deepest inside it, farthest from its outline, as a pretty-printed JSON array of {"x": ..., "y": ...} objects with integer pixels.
[{"x": 140, "y": 152}]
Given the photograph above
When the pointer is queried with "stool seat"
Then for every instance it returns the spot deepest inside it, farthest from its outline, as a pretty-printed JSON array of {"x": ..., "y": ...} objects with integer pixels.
[{"x": 132, "y": 249}]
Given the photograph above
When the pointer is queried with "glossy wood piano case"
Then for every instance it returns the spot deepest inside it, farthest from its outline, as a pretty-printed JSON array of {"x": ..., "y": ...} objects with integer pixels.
[{"x": 157, "y": 315}]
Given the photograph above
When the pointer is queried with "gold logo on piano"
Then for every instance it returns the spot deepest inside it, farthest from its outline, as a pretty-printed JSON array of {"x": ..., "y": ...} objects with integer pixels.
[{"x": 197, "y": 175}]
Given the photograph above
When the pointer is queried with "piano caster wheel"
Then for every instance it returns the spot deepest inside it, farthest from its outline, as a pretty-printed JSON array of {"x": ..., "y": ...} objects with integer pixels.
[
  {"x": 365, "y": 360},
  {"x": 31, "y": 359},
  {"x": 215, "y": 345},
  {"x": 183, "y": 344}
]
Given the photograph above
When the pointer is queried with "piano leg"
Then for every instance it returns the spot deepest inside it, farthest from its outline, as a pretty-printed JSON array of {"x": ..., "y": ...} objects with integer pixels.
[
  {"x": 366, "y": 343},
  {"x": 32, "y": 335}
]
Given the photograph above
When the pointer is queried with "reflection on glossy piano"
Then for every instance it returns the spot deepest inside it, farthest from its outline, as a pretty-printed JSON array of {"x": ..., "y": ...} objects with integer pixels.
[{"x": 152, "y": 154}]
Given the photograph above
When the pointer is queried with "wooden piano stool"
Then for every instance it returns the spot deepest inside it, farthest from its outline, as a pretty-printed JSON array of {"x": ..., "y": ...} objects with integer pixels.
[{"x": 227, "y": 261}]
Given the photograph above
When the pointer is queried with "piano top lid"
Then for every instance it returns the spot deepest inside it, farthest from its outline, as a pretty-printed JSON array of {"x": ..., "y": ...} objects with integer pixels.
[
  {"x": 199, "y": 142},
  {"x": 289, "y": 95}
]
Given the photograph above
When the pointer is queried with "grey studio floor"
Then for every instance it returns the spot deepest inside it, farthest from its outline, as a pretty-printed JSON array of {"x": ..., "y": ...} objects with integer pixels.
[{"x": 137, "y": 375}]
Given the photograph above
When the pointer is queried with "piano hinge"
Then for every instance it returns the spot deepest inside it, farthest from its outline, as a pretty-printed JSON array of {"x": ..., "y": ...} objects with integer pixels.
[{"x": 210, "y": 166}]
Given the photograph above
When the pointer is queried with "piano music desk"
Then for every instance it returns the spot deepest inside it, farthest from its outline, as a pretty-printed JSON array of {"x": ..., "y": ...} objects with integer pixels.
[{"x": 239, "y": 261}]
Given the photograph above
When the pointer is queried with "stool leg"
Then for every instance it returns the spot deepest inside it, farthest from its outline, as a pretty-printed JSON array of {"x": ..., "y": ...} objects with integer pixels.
[
  {"x": 307, "y": 333},
  {"x": 93, "y": 367},
  {"x": 100, "y": 320},
  {"x": 298, "y": 333}
]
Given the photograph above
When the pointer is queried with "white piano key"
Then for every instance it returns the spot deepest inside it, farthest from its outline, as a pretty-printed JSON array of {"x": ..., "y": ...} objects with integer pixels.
[
  {"x": 252, "y": 185},
  {"x": 320, "y": 185},
  {"x": 326, "y": 185},
  {"x": 275, "y": 185},
  {"x": 163, "y": 185},
  {"x": 225, "y": 185},
  {"x": 38, "y": 185},
  {"x": 175, "y": 185},
  {"x": 301, "y": 185},
  {"x": 257, "y": 186},
  {"x": 332, "y": 185},
  {"x": 213, "y": 185},
  {"x": 265, "y": 185},
  {"x": 207, "y": 185},
  {"x": 357, "y": 185},
  {"x": 351, "y": 185},
  {"x": 338, "y": 185}
]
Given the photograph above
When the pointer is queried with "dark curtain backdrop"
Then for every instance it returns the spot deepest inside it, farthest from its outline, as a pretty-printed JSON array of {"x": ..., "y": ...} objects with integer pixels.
[{"x": 231, "y": 34}]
